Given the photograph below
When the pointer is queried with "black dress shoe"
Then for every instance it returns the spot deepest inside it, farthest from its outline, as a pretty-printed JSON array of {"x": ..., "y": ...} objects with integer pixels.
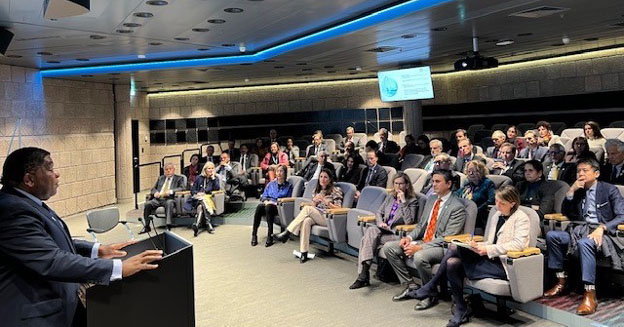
[
  {"x": 195, "y": 230},
  {"x": 405, "y": 294},
  {"x": 426, "y": 303},
  {"x": 282, "y": 237},
  {"x": 462, "y": 318},
  {"x": 269, "y": 241},
  {"x": 423, "y": 293},
  {"x": 169, "y": 228},
  {"x": 359, "y": 284},
  {"x": 146, "y": 229},
  {"x": 254, "y": 240},
  {"x": 304, "y": 257}
]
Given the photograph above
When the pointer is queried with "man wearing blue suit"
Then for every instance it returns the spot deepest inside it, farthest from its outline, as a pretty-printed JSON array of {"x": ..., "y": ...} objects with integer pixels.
[
  {"x": 599, "y": 207},
  {"x": 40, "y": 265}
]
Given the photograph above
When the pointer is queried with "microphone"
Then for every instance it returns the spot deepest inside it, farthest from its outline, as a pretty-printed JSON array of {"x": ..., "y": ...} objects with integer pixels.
[
  {"x": 148, "y": 233},
  {"x": 162, "y": 246}
]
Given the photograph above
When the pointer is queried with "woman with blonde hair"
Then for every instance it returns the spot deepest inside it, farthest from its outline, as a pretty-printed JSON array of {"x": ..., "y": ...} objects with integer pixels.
[
  {"x": 479, "y": 189},
  {"x": 201, "y": 198}
]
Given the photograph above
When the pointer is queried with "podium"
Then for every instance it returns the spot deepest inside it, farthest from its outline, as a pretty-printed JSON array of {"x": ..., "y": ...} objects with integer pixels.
[{"x": 160, "y": 297}]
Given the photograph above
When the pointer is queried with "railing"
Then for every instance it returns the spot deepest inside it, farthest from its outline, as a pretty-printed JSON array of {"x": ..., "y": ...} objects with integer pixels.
[
  {"x": 171, "y": 156},
  {"x": 137, "y": 177}
]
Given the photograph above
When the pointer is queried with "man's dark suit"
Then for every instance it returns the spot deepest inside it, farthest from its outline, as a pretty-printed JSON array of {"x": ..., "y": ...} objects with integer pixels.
[
  {"x": 234, "y": 154},
  {"x": 544, "y": 197},
  {"x": 606, "y": 175},
  {"x": 379, "y": 177},
  {"x": 567, "y": 172},
  {"x": 177, "y": 184},
  {"x": 308, "y": 171},
  {"x": 390, "y": 147},
  {"x": 40, "y": 265},
  {"x": 313, "y": 151},
  {"x": 515, "y": 171},
  {"x": 460, "y": 162}
]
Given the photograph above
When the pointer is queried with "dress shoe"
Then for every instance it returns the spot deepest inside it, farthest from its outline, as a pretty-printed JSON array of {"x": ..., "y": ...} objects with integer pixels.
[
  {"x": 589, "y": 303},
  {"x": 405, "y": 294},
  {"x": 195, "y": 230},
  {"x": 282, "y": 237},
  {"x": 169, "y": 228},
  {"x": 254, "y": 240},
  {"x": 558, "y": 289},
  {"x": 359, "y": 284},
  {"x": 269, "y": 241},
  {"x": 209, "y": 227},
  {"x": 426, "y": 303},
  {"x": 304, "y": 257},
  {"x": 423, "y": 293},
  {"x": 462, "y": 318},
  {"x": 146, "y": 229}
]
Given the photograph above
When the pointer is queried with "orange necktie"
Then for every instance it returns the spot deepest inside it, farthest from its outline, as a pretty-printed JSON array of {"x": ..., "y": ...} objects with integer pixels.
[{"x": 432, "y": 223}]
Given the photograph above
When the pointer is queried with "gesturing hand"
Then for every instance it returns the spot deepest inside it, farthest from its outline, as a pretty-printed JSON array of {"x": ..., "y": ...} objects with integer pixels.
[
  {"x": 113, "y": 250},
  {"x": 140, "y": 262}
]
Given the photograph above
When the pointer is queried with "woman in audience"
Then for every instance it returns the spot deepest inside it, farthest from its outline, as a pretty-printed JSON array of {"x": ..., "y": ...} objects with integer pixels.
[
  {"x": 259, "y": 148},
  {"x": 351, "y": 171},
  {"x": 191, "y": 171},
  {"x": 512, "y": 137},
  {"x": 423, "y": 145},
  {"x": 535, "y": 191},
  {"x": 508, "y": 230},
  {"x": 276, "y": 189},
  {"x": 479, "y": 189},
  {"x": 292, "y": 151},
  {"x": 201, "y": 199},
  {"x": 580, "y": 149},
  {"x": 399, "y": 208},
  {"x": 271, "y": 160},
  {"x": 410, "y": 147},
  {"x": 546, "y": 136},
  {"x": 326, "y": 196},
  {"x": 593, "y": 135}
]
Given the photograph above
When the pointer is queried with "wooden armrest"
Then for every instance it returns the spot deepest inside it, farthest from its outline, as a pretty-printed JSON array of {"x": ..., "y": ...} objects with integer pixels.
[
  {"x": 463, "y": 238},
  {"x": 405, "y": 228},
  {"x": 367, "y": 219},
  {"x": 305, "y": 204},
  {"x": 301, "y": 158},
  {"x": 254, "y": 168},
  {"x": 556, "y": 216},
  {"x": 524, "y": 253},
  {"x": 218, "y": 192},
  {"x": 282, "y": 200},
  {"x": 620, "y": 227},
  {"x": 182, "y": 193},
  {"x": 337, "y": 211}
]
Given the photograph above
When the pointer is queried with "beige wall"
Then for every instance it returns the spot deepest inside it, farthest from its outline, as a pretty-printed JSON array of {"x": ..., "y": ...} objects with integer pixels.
[{"x": 74, "y": 121}]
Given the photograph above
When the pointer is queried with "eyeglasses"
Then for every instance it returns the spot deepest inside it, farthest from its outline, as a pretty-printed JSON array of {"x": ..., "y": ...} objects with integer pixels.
[{"x": 399, "y": 183}]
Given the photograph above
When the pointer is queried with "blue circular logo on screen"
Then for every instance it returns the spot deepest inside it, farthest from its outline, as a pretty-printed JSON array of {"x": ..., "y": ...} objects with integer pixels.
[{"x": 389, "y": 87}]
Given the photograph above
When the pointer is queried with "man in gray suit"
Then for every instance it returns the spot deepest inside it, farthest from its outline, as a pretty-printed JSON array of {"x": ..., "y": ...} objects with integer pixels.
[
  {"x": 466, "y": 149},
  {"x": 163, "y": 195},
  {"x": 533, "y": 150},
  {"x": 444, "y": 215}
]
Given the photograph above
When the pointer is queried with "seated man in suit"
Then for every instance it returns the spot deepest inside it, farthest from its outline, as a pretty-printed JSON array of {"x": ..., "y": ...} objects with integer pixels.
[
  {"x": 163, "y": 195},
  {"x": 350, "y": 138},
  {"x": 273, "y": 136},
  {"x": 313, "y": 168},
  {"x": 386, "y": 145},
  {"x": 373, "y": 174},
  {"x": 232, "y": 150},
  {"x": 466, "y": 150},
  {"x": 599, "y": 207},
  {"x": 535, "y": 192},
  {"x": 498, "y": 137},
  {"x": 245, "y": 160},
  {"x": 558, "y": 169},
  {"x": 612, "y": 172},
  {"x": 442, "y": 161},
  {"x": 41, "y": 266},
  {"x": 444, "y": 215},
  {"x": 533, "y": 149},
  {"x": 428, "y": 161},
  {"x": 508, "y": 165},
  {"x": 229, "y": 173},
  {"x": 317, "y": 145},
  {"x": 210, "y": 156}
]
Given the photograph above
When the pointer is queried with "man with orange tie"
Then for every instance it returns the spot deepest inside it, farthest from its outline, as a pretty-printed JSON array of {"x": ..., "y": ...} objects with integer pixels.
[{"x": 444, "y": 214}]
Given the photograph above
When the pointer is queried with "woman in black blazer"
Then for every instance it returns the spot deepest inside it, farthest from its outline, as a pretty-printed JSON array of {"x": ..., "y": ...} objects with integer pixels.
[
  {"x": 351, "y": 171},
  {"x": 205, "y": 183}
]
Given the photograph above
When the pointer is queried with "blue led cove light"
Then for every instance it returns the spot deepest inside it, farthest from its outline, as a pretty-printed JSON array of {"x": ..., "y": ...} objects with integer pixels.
[{"x": 372, "y": 19}]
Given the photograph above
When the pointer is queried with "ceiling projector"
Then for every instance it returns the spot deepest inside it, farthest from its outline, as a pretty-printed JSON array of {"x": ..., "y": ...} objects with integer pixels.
[{"x": 476, "y": 62}]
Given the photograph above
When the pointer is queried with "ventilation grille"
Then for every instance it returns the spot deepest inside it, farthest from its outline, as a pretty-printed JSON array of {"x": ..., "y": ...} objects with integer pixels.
[{"x": 540, "y": 12}]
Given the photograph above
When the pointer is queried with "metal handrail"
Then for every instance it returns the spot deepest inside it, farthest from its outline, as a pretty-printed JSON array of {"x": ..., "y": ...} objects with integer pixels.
[{"x": 137, "y": 179}]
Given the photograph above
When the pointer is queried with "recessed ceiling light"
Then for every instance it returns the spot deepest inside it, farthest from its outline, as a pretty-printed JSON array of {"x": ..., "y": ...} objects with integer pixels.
[
  {"x": 141, "y": 56},
  {"x": 246, "y": 79},
  {"x": 124, "y": 31},
  {"x": 97, "y": 37},
  {"x": 216, "y": 21},
  {"x": 44, "y": 53},
  {"x": 408, "y": 36},
  {"x": 181, "y": 38},
  {"x": 201, "y": 30},
  {"x": 155, "y": 43},
  {"x": 228, "y": 45},
  {"x": 233, "y": 10},
  {"x": 358, "y": 68},
  {"x": 525, "y": 34},
  {"x": 203, "y": 49},
  {"x": 132, "y": 25},
  {"x": 504, "y": 42},
  {"x": 82, "y": 59},
  {"x": 440, "y": 29},
  {"x": 143, "y": 14},
  {"x": 157, "y": 3},
  {"x": 13, "y": 56},
  {"x": 53, "y": 62}
]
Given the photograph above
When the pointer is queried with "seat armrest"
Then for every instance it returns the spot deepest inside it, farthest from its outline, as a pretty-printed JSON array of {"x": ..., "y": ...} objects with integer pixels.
[
  {"x": 366, "y": 219},
  {"x": 182, "y": 193},
  {"x": 337, "y": 211},
  {"x": 556, "y": 216},
  {"x": 524, "y": 253},
  {"x": 405, "y": 228},
  {"x": 217, "y": 192},
  {"x": 305, "y": 204},
  {"x": 526, "y": 276},
  {"x": 95, "y": 230},
  {"x": 620, "y": 227},
  {"x": 301, "y": 158},
  {"x": 254, "y": 168},
  {"x": 283, "y": 200},
  {"x": 463, "y": 238}
]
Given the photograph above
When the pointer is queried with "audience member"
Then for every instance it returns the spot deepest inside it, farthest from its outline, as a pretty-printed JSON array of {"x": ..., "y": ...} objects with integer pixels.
[
  {"x": 191, "y": 171},
  {"x": 292, "y": 151},
  {"x": 232, "y": 150},
  {"x": 272, "y": 159},
  {"x": 273, "y": 136},
  {"x": 479, "y": 189},
  {"x": 509, "y": 231},
  {"x": 557, "y": 169},
  {"x": 442, "y": 161},
  {"x": 508, "y": 165},
  {"x": 436, "y": 148},
  {"x": 466, "y": 154},
  {"x": 210, "y": 156},
  {"x": 350, "y": 151},
  {"x": 226, "y": 172},
  {"x": 444, "y": 215},
  {"x": 350, "y": 138},
  {"x": 533, "y": 150},
  {"x": 612, "y": 172},
  {"x": 245, "y": 160},
  {"x": 326, "y": 196},
  {"x": 546, "y": 136},
  {"x": 600, "y": 207},
  {"x": 422, "y": 144},
  {"x": 386, "y": 145},
  {"x": 512, "y": 137},
  {"x": 580, "y": 150},
  {"x": 351, "y": 172},
  {"x": 399, "y": 208},
  {"x": 317, "y": 145},
  {"x": 535, "y": 191},
  {"x": 409, "y": 148},
  {"x": 201, "y": 200},
  {"x": 498, "y": 137},
  {"x": 593, "y": 135},
  {"x": 314, "y": 167},
  {"x": 163, "y": 196},
  {"x": 259, "y": 148},
  {"x": 373, "y": 174},
  {"x": 276, "y": 189},
  {"x": 460, "y": 134}
]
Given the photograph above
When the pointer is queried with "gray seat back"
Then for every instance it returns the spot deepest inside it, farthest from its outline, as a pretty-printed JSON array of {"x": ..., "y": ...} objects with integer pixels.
[
  {"x": 462, "y": 178},
  {"x": 309, "y": 188},
  {"x": 560, "y": 194},
  {"x": 422, "y": 199},
  {"x": 348, "y": 193},
  {"x": 391, "y": 172},
  {"x": 411, "y": 160},
  {"x": 253, "y": 159},
  {"x": 336, "y": 137},
  {"x": 418, "y": 177},
  {"x": 620, "y": 188},
  {"x": 298, "y": 183},
  {"x": 471, "y": 215},
  {"x": 500, "y": 180},
  {"x": 371, "y": 198},
  {"x": 338, "y": 167},
  {"x": 103, "y": 220}
]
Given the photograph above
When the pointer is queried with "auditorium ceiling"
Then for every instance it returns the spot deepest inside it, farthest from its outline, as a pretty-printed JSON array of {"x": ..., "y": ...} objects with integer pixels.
[{"x": 136, "y": 32}]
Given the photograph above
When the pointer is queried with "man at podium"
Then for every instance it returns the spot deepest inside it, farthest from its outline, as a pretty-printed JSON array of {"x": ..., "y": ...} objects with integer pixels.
[{"x": 41, "y": 267}]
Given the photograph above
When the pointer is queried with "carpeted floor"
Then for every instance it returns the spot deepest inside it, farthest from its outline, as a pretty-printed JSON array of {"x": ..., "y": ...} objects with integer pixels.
[{"x": 240, "y": 285}]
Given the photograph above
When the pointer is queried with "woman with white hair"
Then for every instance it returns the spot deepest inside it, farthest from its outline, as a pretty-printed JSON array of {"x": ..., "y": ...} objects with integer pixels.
[{"x": 201, "y": 198}]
